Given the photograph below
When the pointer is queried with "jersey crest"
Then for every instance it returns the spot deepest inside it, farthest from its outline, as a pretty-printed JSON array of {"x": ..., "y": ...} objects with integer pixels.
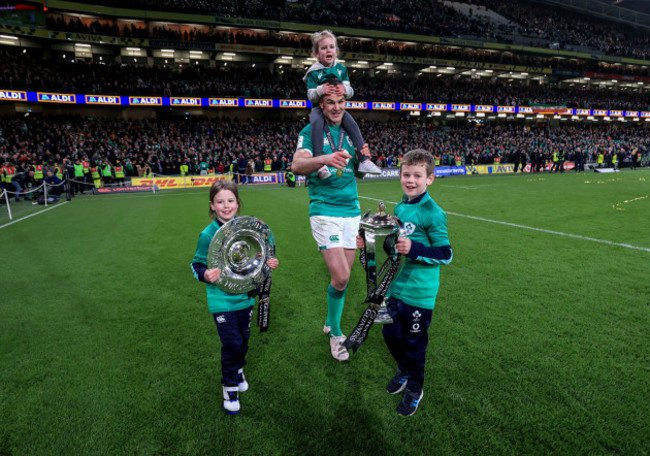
[{"x": 409, "y": 228}]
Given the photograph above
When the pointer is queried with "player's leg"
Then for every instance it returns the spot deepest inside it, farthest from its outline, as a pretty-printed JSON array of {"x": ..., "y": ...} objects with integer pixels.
[{"x": 339, "y": 263}]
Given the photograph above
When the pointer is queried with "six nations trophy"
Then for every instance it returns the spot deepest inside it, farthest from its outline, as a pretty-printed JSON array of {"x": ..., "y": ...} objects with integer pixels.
[
  {"x": 371, "y": 229},
  {"x": 241, "y": 248}
]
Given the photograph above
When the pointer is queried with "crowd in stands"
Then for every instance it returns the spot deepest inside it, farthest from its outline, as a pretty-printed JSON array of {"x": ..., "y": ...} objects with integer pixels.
[
  {"x": 570, "y": 29},
  {"x": 164, "y": 146},
  {"x": 21, "y": 71},
  {"x": 212, "y": 34},
  {"x": 562, "y": 28}
]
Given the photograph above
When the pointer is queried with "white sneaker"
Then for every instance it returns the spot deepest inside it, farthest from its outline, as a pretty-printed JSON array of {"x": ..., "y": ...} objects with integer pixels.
[
  {"x": 339, "y": 352},
  {"x": 242, "y": 384},
  {"x": 323, "y": 172},
  {"x": 368, "y": 167},
  {"x": 231, "y": 399},
  {"x": 327, "y": 329}
]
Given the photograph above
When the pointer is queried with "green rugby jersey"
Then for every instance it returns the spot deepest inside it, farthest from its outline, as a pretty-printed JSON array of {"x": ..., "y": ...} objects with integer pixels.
[
  {"x": 334, "y": 196},
  {"x": 425, "y": 224},
  {"x": 318, "y": 74},
  {"x": 218, "y": 300}
]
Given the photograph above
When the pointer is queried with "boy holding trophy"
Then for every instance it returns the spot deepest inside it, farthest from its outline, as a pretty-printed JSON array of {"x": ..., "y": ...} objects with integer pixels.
[{"x": 425, "y": 244}]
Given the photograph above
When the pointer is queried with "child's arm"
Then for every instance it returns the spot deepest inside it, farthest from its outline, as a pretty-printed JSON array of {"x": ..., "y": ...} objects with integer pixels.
[
  {"x": 437, "y": 234},
  {"x": 420, "y": 252},
  {"x": 199, "y": 262},
  {"x": 345, "y": 79},
  {"x": 314, "y": 90}
]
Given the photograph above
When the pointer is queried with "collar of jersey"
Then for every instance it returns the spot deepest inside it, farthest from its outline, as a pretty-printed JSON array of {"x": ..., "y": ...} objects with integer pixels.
[{"x": 415, "y": 200}]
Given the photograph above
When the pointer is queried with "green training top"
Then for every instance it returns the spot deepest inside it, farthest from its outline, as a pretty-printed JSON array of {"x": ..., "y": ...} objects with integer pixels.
[
  {"x": 418, "y": 280},
  {"x": 218, "y": 300}
]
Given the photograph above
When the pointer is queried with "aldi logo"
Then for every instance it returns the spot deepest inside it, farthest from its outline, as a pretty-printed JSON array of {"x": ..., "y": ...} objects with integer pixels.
[
  {"x": 55, "y": 98},
  {"x": 177, "y": 101},
  {"x": 102, "y": 100},
  {"x": 258, "y": 103},
  {"x": 293, "y": 103},
  {"x": 225, "y": 102},
  {"x": 13, "y": 95},
  {"x": 145, "y": 101}
]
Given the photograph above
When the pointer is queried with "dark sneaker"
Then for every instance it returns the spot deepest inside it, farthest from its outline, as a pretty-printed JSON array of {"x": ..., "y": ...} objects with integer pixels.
[
  {"x": 410, "y": 402},
  {"x": 397, "y": 383}
]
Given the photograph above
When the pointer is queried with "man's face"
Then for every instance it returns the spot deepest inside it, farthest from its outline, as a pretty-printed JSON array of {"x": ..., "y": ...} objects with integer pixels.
[{"x": 333, "y": 107}]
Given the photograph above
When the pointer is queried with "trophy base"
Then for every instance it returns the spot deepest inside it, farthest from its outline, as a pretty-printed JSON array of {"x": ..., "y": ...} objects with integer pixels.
[{"x": 383, "y": 318}]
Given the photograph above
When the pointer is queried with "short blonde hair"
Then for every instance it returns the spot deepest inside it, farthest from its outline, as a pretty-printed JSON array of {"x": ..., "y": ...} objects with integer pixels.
[{"x": 317, "y": 36}]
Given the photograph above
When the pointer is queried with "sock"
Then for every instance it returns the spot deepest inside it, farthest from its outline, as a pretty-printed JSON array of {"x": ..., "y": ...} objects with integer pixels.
[{"x": 335, "y": 301}]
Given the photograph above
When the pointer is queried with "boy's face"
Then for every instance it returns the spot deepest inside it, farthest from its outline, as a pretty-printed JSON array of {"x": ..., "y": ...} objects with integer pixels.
[
  {"x": 415, "y": 180},
  {"x": 327, "y": 51}
]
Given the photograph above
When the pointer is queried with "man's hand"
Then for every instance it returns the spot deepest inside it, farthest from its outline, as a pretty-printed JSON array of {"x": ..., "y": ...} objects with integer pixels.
[
  {"x": 338, "y": 159},
  {"x": 360, "y": 242}
]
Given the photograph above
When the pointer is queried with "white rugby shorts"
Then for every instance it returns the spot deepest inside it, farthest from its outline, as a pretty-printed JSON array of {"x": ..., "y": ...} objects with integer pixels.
[{"x": 331, "y": 232}]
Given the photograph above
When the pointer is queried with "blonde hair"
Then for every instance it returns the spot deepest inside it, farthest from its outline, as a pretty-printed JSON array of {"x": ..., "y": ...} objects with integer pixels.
[{"x": 317, "y": 36}]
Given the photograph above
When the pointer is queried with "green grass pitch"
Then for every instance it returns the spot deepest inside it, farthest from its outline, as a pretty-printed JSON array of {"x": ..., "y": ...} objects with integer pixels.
[{"x": 539, "y": 342}]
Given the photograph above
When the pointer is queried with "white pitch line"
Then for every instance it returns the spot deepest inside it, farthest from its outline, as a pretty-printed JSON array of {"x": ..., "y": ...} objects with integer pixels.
[
  {"x": 460, "y": 186},
  {"x": 558, "y": 233},
  {"x": 32, "y": 215}
]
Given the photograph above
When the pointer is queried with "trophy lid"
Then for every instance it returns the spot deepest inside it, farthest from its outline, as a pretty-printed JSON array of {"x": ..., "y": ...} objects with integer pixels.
[{"x": 380, "y": 223}]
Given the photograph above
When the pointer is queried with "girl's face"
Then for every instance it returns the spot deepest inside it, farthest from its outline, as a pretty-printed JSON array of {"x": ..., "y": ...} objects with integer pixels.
[
  {"x": 225, "y": 205},
  {"x": 327, "y": 51}
]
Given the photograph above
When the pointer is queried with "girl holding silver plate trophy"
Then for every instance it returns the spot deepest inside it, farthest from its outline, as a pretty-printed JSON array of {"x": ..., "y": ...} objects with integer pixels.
[{"x": 234, "y": 257}]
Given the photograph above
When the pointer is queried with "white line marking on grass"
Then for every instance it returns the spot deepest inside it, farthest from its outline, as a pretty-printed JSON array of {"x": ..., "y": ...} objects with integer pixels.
[
  {"x": 32, "y": 215},
  {"x": 515, "y": 225},
  {"x": 460, "y": 186}
]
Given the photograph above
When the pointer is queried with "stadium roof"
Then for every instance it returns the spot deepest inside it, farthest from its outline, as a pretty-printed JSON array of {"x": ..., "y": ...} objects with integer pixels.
[{"x": 632, "y": 12}]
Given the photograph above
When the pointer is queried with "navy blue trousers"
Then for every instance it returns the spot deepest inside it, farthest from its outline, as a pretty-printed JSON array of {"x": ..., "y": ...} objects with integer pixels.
[
  {"x": 234, "y": 331},
  {"x": 407, "y": 340}
]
